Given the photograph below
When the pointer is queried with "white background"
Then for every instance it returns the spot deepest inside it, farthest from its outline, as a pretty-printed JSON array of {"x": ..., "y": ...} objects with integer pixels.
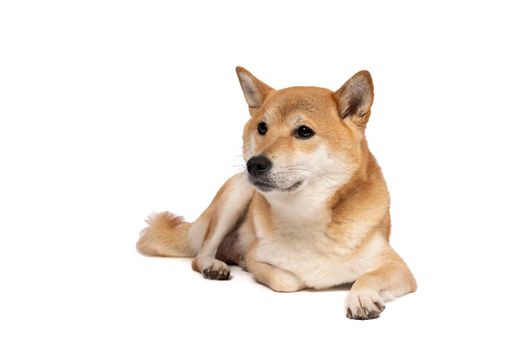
[{"x": 110, "y": 110}]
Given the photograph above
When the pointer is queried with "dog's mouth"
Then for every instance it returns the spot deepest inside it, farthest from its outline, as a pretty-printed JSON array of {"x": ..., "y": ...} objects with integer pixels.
[{"x": 265, "y": 186}]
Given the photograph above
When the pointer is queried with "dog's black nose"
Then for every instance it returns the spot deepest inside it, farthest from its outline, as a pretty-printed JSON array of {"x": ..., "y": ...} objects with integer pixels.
[{"x": 259, "y": 165}]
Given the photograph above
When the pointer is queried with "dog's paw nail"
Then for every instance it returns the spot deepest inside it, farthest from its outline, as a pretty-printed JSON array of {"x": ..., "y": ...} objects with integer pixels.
[
  {"x": 379, "y": 306},
  {"x": 224, "y": 275}
]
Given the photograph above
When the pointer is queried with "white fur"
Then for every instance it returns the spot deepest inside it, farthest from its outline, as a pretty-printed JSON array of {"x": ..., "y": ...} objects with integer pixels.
[
  {"x": 298, "y": 242},
  {"x": 320, "y": 172},
  {"x": 251, "y": 92},
  {"x": 308, "y": 252},
  {"x": 197, "y": 231}
]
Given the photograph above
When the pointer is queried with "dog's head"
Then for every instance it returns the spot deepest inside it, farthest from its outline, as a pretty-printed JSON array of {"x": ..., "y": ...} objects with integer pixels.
[{"x": 303, "y": 135}]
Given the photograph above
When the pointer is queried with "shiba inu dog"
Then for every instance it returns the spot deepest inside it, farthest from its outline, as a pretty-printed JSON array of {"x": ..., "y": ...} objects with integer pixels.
[{"x": 310, "y": 211}]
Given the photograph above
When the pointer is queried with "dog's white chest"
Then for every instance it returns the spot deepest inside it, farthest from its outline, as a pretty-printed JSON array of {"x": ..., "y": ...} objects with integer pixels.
[
  {"x": 297, "y": 242},
  {"x": 310, "y": 254}
]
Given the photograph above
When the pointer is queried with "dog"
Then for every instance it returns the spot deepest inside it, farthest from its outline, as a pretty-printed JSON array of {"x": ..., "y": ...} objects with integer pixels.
[{"x": 311, "y": 211}]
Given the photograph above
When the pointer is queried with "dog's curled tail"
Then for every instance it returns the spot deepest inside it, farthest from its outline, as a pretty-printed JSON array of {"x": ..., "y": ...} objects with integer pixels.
[{"x": 166, "y": 235}]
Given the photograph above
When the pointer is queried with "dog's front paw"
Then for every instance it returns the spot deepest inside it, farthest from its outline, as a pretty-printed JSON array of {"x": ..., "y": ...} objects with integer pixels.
[
  {"x": 364, "y": 305},
  {"x": 217, "y": 271},
  {"x": 212, "y": 269}
]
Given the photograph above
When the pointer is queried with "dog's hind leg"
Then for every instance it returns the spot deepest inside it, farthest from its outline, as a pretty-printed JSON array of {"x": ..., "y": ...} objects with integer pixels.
[{"x": 223, "y": 216}]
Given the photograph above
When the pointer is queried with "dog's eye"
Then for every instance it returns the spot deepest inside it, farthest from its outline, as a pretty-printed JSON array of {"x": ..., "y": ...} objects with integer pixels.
[
  {"x": 304, "y": 132},
  {"x": 262, "y": 128}
]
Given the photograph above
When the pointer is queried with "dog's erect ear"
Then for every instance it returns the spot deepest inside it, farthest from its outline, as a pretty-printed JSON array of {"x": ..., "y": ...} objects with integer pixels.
[
  {"x": 255, "y": 91},
  {"x": 355, "y": 97}
]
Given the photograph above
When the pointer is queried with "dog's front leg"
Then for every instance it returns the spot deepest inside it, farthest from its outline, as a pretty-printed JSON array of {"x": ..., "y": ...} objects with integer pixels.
[
  {"x": 271, "y": 276},
  {"x": 216, "y": 222},
  {"x": 370, "y": 291}
]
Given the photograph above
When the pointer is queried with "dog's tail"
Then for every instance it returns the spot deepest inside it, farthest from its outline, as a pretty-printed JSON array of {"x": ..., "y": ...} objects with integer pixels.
[{"x": 166, "y": 235}]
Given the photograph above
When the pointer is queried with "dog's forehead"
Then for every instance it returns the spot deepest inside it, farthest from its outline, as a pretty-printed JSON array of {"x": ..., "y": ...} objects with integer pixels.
[{"x": 307, "y": 101}]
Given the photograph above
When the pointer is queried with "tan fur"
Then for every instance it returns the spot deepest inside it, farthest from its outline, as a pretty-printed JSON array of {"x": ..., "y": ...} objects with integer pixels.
[
  {"x": 327, "y": 220},
  {"x": 166, "y": 235}
]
